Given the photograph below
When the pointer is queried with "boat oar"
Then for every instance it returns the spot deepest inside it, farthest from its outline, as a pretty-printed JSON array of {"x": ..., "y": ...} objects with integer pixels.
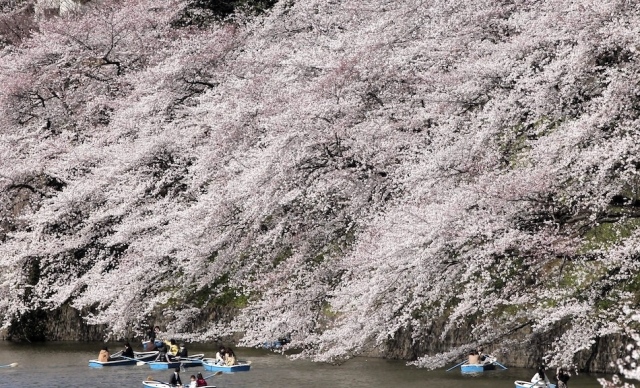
[
  {"x": 455, "y": 366},
  {"x": 497, "y": 363},
  {"x": 9, "y": 365},
  {"x": 218, "y": 373},
  {"x": 159, "y": 382},
  {"x": 138, "y": 362}
]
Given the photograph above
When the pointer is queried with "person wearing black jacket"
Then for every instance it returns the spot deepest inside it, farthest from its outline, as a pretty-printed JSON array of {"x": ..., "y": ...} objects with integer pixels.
[
  {"x": 128, "y": 351},
  {"x": 183, "y": 352},
  {"x": 175, "y": 381},
  {"x": 563, "y": 378},
  {"x": 151, "y": 334}
]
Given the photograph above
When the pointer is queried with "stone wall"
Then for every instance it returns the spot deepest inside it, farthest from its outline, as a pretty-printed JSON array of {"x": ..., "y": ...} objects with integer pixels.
[
  {"x": 526, "y": 350},
  {"x": 63, "y": 324},
  {"x": 66, "y": 324}
]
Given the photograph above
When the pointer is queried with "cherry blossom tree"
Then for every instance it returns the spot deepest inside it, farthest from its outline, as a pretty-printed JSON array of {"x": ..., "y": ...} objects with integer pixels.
[{"x": 346, "y": 173}]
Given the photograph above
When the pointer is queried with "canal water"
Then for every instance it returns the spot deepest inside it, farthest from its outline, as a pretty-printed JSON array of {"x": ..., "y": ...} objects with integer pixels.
[{"x": 65, "y": 364}]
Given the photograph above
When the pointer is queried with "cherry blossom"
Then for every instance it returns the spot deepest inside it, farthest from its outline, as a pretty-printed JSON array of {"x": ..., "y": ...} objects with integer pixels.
[{"x": 352, "y": 174}]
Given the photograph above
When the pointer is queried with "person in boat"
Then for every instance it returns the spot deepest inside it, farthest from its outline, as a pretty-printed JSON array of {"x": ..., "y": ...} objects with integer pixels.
[
  {"x": 150, "y": 346},
  {"x": 540, "y": 377},
  {"x": 201, "y": 382},
  {"x": 229, "y": 357},
  {"x": 104, "y": 355},
  {"x": 182, "y": 352},
  {"x": 474, "y": 357},
  {"x": 173, "y": 349},
  {"x": 128, "y": 351},
  {"x": 220, "y": 355},
  {"x": 481, "y": 355},
  {"x": 284, "y": 340},
  {"x": 156, "y": 334},
  {"x": 150, "y": 338},
  {"x": 162, "y": 353},
  {"x": 151, "y": 334},
  {"x": 563, "y": 377},
  {"x": 194, "y": 382},
  {"x": 175, "y": 381}
]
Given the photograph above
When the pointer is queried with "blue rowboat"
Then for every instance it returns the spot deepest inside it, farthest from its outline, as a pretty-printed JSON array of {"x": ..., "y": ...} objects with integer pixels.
[
  {"x": 529, "y": 384},
  {"x": 154, "y": 384},
  {"x": 187, "y": 362},
  {"x": 118, "y": 360},
  {"x": 476, "y": 368},
  {"x": 210, "y": 364},
  {"x": 272, "y": 345},
  {"x": 489, "y": 363},
  {"x": 164, "y": 365},
  {"x": 277, "y": 344},
  {"x": 145, "y": 344}
]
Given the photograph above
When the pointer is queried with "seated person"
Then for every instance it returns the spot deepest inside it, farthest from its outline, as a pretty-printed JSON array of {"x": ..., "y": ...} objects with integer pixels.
[
  {"x": 201, "y": 382},
  {"x": 162, "y": 354},
  {"x": 540, "y": 377},
  {"x": 481, "y": 354},
  {"x": 128, "y": 351},
  {"x": 172, "y": 353},
  {"x": 230, "y": 357},
  {"x": 150, "y": 346},
  {"x": 175, "y": 380},
  {"x": 220, "y": 355},
  {"x": 474, "y": 357},
  {"x": 183, "y": 353},
  {"x": 104, "y": 356},
  {"x": 151, "y": 334},
  {"x": 562, "y": 376},
  {"x": 156, "y": 334}
]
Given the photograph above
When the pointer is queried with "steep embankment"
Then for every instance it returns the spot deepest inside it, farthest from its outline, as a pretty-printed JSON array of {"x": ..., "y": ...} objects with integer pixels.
[{"x": 411, "y": 177}]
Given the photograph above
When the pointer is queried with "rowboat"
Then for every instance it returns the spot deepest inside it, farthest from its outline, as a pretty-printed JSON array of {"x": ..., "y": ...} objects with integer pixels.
[
  {"x": 145, "y": 344},
  {"x": 160, "y": 384},
  {"x": 150, "y": 383},
  {"x": 272, "y": 345},
  {"x": 277, "y": 344},
  {"x": 476, "y": 368},
  {"x": 187, "y": 362},
  {"x": 529, "y": 384},
  {"x": 489, "y": 363},
  {"x": 210, "y": 364},
  {"x": 118, "y": 360}
]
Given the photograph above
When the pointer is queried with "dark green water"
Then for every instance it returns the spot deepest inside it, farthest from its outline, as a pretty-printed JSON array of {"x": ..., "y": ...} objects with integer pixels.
[{"x": 66, "y": 365}]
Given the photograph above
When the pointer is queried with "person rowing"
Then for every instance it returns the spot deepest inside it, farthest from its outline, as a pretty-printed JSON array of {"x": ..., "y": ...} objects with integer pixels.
[
  {"x": 175, "y": 380},
  {"x": 540, "y": 377},
  {"x": 128, "y": 351}
]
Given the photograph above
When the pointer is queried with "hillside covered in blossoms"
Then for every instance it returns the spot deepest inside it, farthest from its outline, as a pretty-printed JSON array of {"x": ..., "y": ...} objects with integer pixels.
[{"x": 407, "y": 177}]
